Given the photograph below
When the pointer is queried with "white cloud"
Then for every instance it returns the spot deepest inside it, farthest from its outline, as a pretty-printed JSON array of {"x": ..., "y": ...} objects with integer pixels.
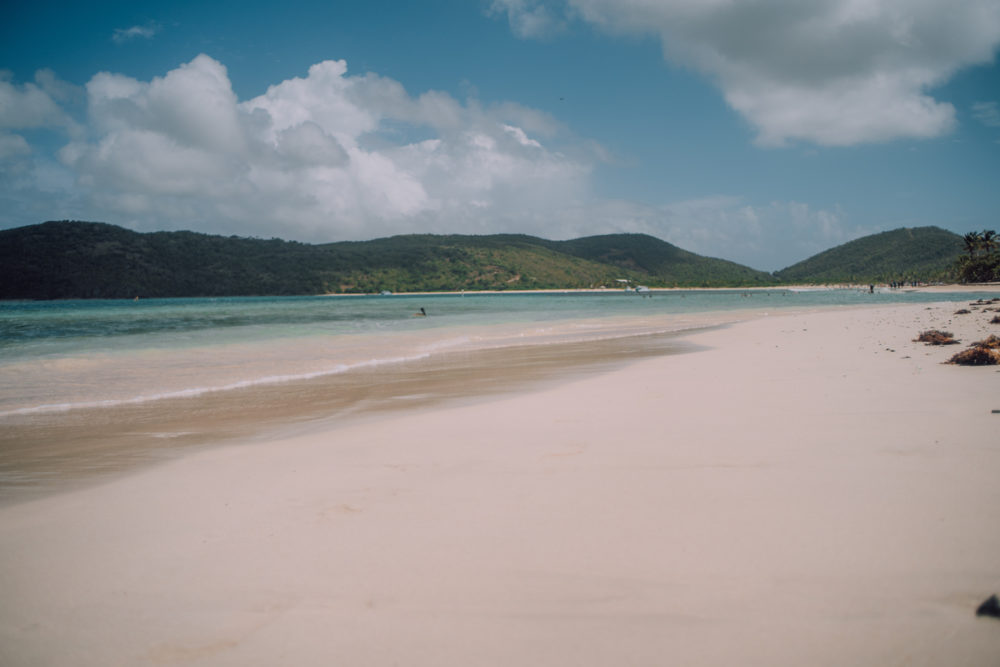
[
  {"x": 58, "y": 90},
  {"x": 29, "y": 177},
  {"x": 520, "y": 136},
  {"x": 323, "y": 157},
  {"x": 34, "y": 105},
  {"x": 307, "y": 144},
  {"x": 331, "y": 156},
  {"x": 528, "y": 18},
  {"x": 146, "y": 31},
  {"x": 831, "y": 72},
  {"x": 987, "y": 113},
  {"x": 33, "y": 187}
]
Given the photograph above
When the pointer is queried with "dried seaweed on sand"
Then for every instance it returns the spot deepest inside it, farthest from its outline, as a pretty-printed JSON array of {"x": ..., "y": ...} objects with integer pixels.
[
  {"x": 981, "y": 353},
  {"x": 991, "y": 342},
  {"x": 935, "y": 337},
  {"x": 962, "y": 311},
  {"x": 976, "y": 356}
]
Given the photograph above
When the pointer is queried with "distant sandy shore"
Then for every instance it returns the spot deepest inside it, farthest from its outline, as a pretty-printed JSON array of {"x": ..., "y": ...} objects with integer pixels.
[
  {"x": 943, "y": 288},
  {"x": 804, "y": 489}
]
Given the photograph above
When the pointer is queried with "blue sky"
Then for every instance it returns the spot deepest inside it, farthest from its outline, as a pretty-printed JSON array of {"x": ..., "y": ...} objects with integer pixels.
[{"x": 758, "y": 131}]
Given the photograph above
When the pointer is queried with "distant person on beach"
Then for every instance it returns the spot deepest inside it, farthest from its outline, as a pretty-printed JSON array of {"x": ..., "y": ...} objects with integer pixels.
[
  {"x": 422, "y": 313},
  {"x": 871, "y": 289}
]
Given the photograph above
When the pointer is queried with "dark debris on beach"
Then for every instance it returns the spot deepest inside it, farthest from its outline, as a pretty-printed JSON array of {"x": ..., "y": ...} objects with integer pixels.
[
  {"x": 936, "y": 337},
  {"x": 984, "y": 352},
  {"x": 989, "y": 607}
]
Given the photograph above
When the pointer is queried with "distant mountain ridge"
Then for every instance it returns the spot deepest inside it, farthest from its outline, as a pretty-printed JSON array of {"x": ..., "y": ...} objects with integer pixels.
[
  {"x": 919, "y": 253},
  {"x": 64, "y": 259}
]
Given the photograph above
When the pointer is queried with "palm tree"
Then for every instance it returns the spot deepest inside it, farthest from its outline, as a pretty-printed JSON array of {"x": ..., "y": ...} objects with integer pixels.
[
  {"x": 973, "y": 242},
  {"x": 988, "y": 241}
]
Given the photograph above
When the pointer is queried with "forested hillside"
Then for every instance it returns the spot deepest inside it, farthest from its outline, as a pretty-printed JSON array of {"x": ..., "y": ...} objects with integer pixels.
[
  {"x": 921, "y": 253},
  {"x": 57, "y": 260}
]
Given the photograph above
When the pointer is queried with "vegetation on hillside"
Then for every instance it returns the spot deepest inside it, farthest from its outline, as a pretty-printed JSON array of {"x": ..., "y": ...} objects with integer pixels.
[
  {"x": 902, "y": 255},
  {"x": 58, "y": 260},
  {"x": 646, "y": 255},
  {"x": 980, "y": 261}
]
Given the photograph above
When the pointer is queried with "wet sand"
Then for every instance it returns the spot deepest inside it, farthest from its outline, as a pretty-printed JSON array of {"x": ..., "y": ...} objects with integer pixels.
[
  {"x": 52, "y": 452},
  {"x": 809, "y": 488}
]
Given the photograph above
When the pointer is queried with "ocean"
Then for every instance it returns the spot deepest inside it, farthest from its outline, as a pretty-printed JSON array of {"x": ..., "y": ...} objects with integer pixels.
[{"x": 106, "y": 384}]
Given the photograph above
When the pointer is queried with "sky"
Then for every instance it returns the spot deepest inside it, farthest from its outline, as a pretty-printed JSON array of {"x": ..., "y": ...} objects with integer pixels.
[{"x": 758, "y": 131}]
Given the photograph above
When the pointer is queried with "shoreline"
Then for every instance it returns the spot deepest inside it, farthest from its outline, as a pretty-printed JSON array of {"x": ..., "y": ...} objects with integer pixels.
[
  {"x": 805, "y": 488},
  {"x": 935, "y": 288},
  {"x": 943, "y": 288},
  {"x": 48, "y": 453}
]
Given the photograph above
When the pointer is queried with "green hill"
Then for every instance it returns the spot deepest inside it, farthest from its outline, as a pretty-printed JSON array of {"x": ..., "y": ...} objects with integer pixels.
[
  {"x": 650, "y": 256},
  {"x": 921, "y": 253},
  {"x": 57, "y": 260}
]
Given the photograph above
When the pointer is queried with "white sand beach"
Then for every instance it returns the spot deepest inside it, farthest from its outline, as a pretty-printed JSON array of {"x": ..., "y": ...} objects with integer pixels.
[{"x": 805, "y": 489}]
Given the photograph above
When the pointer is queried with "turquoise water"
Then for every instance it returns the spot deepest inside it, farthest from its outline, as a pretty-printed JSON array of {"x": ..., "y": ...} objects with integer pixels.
[{"x": 63, "y": 355}]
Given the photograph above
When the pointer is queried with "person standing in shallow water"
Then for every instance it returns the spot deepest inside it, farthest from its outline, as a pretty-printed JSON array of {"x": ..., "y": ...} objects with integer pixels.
[{"x": 422, "y": 313}]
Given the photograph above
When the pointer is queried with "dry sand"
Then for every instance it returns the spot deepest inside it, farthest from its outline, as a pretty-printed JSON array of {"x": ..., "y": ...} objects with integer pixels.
[{"x": 810, "y": 489}]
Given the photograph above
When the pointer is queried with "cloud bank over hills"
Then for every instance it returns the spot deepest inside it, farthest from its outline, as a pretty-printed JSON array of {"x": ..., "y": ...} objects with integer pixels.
[
  {"x": 325, "y": 153},
  {"x": 334, "y": 156},
  {"x": 358, "y": 150}
]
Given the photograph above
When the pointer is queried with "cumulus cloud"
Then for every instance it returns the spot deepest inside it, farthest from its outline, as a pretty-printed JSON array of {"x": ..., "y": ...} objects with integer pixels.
[
  {"x": 830, "y": 72},
  {"x": 145, "y": 31},
  {"x": 331, "y": 156},
  {"x": 322, "y": 157},
  {"x": 35, "y": 105},
  {"x": 28, "y": 177}
]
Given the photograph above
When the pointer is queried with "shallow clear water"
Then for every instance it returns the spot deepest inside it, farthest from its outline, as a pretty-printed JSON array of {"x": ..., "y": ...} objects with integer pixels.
[
  {"x": 62, "y": 355},
  {"x": 93, "y": 389}
]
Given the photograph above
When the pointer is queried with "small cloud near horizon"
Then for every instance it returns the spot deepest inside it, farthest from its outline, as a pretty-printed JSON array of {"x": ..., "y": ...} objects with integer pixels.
[{"x": 145, "y": 31}]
